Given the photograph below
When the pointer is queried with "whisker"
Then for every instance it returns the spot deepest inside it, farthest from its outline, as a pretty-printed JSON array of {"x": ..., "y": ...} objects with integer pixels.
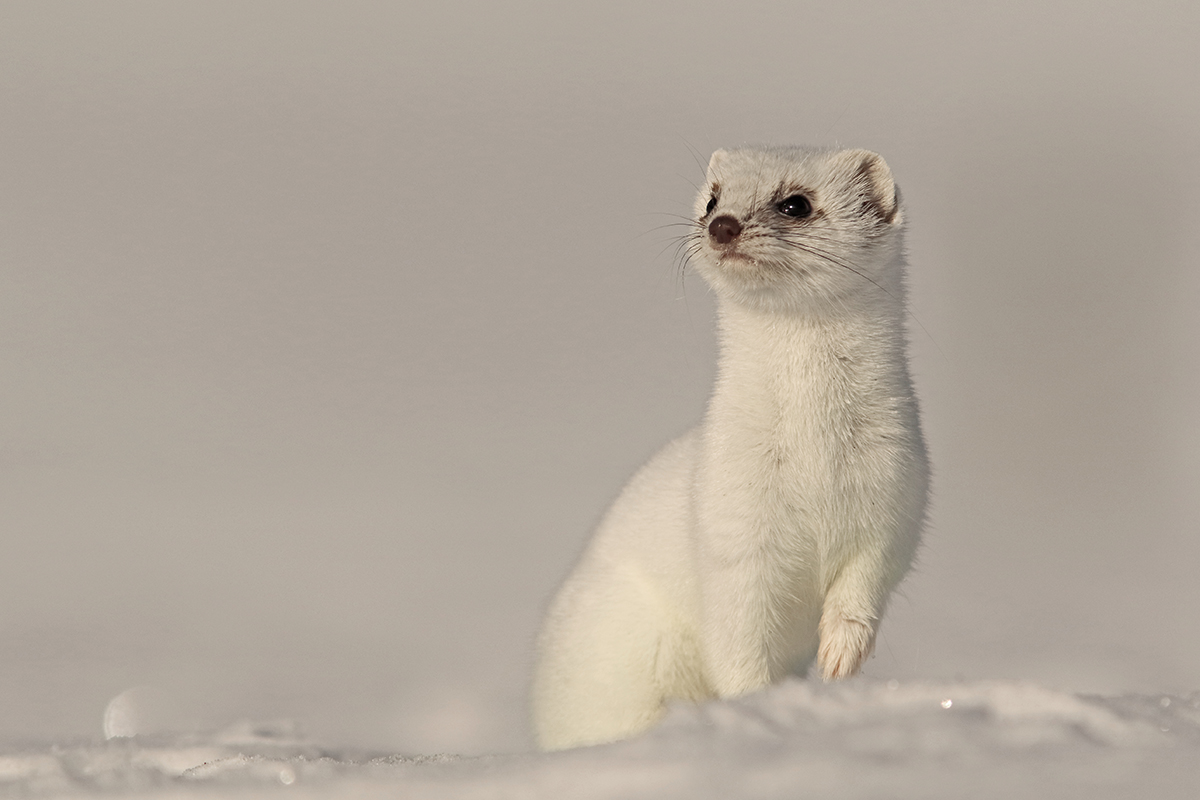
[
  {"x": 662, "y": 227},
  {"x": 679, "y": 243},
  {"x": 684, "y": 217},
  {"x": 684, "y": 222},
  {"x": 841, "y": 262},
  {"x": 831, "y": 258},
  {"x": 688, "y": 248},
  {"x": 696, "y": 156}
]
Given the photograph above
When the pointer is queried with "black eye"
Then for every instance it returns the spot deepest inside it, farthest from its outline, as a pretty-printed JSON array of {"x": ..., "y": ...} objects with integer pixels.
[
  {"x": 712, "y": 203},
  {"x": 796, "y": 206}
]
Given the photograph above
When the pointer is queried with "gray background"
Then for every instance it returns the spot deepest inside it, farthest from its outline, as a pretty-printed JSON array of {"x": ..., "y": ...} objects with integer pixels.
[{"x": 327, "y": 331}]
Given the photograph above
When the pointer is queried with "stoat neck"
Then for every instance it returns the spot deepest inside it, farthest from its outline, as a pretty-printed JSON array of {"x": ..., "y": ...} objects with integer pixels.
[{"x": 807, "y": 364}]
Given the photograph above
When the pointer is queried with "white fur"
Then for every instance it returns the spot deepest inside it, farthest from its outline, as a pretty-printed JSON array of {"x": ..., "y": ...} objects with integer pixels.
[{"x": 774, "y": 532}]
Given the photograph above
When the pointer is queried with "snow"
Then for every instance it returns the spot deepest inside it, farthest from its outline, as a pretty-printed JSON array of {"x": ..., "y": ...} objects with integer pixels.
[{"x": 853, "y": 740}]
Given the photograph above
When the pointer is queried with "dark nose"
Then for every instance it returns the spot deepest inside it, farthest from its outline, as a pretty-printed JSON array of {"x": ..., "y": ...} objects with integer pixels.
[{"x": 724, "y": 229}]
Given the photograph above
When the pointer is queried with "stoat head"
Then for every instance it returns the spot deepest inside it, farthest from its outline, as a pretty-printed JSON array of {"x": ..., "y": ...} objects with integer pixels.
[{"x": 799, "y": 228}]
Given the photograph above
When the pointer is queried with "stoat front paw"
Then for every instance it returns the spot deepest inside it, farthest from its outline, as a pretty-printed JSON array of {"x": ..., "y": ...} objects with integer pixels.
[{"x": 845, "y": 644}]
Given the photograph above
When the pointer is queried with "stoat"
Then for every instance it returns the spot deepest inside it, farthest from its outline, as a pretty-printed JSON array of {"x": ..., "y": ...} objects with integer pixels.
[{"x": 774, "y": 532}]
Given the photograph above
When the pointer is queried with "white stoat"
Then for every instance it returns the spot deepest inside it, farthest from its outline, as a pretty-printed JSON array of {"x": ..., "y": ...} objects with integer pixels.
[{"x": 775, "y": 530}]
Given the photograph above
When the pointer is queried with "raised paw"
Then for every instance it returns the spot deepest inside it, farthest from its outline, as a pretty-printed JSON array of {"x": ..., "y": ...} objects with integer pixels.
[{"x": 845, "y": 645}]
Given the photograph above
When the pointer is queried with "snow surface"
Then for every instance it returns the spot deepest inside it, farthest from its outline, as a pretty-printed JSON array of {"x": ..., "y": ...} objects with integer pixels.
[{"x": 855, "y": 740}]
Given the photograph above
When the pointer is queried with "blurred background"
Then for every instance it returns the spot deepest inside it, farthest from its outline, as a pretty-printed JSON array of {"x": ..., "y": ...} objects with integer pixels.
[{"x": 329, "y": 330}]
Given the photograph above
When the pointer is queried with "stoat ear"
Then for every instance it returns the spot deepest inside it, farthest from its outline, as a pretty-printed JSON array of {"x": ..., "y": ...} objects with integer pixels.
[
  {"x": 718, "y": 158},
  {"x": 871, "y": 175}
]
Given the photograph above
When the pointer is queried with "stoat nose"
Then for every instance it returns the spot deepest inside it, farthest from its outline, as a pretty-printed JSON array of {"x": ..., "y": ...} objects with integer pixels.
[{"x": 724, "y": 229}]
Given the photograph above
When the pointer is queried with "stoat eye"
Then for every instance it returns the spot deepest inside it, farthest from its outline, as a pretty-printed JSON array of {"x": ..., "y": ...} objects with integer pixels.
[
  {"x": 712, "y": 203},
  {"x": 795, "y": 206}
]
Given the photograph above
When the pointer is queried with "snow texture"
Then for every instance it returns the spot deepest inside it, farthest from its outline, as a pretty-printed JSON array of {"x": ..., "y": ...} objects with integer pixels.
[{"x": 857, "y": 740}]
